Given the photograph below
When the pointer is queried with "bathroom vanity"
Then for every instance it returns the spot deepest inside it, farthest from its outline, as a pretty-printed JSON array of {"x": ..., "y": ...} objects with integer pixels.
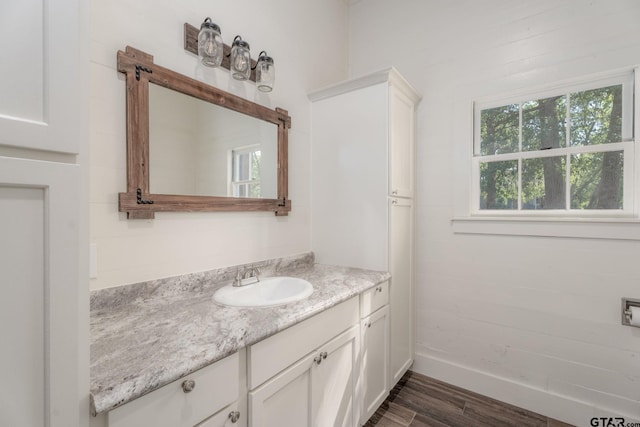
[{"x": 164, "y": 353}]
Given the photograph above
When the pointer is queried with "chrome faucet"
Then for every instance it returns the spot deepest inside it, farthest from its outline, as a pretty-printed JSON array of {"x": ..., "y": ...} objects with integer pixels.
[{"x": 248, "y": 276}]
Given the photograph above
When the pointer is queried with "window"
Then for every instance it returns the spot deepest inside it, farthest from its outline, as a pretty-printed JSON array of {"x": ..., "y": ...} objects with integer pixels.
[
  {"x": 245, "y": 172},
  {"x": 565, "y": 151}
]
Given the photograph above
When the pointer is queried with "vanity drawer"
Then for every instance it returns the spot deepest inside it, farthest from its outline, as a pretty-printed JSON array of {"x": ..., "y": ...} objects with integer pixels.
[
  {"x": 216, "y": 386},
  {"x": 270, "y": 356},
  {"x": 373, "y": 299}
]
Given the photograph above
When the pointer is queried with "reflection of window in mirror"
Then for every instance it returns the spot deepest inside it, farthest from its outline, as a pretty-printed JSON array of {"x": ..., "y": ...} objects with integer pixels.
[{"x": 245, "y": 172}]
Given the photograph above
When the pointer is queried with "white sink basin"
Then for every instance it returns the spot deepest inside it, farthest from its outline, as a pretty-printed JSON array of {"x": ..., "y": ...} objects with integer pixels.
[{"x": 269, "y": 291}]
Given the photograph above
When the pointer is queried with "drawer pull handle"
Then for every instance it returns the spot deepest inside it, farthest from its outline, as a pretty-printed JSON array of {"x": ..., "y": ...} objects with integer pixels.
[
  {"x": 234, "y": 416},
  {"x": 188, "y": 386}
]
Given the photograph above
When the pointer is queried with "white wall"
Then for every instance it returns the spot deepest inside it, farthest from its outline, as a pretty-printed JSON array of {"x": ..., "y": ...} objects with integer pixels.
[
  {"x": 530, "y": 320},
  {"x": 308, "y": 42}
]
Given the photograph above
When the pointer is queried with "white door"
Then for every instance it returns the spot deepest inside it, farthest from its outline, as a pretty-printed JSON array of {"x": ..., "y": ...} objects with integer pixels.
[
  {"x": 39, "y": 305},
  {"x": 333, "y": 381},
  {"x": 375, "y": 361},
  {"x": 401, "y": 288},
  {"x": 284, "y": 400},
  {"x": 40, "y": 74},
  {"x": 401, "y": 143},
  {"x": 43, "y": 361}
]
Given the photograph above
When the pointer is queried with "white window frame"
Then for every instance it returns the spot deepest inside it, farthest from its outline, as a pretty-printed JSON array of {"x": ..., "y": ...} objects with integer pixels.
[
  {"x": 605, "y": 223},
  {"x": 626, "y": 79},
  {"x": 233, "y": 185}
]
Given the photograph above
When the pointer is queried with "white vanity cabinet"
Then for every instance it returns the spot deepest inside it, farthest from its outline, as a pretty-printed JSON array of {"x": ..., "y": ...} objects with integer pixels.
[
  {"x": 320, "y": 372},
  {"x": 206, "y": 398},
  {"x": 362, "y": 188},
  {"x": 307, "y": 374},
  {"x": 374, "y": 326}
]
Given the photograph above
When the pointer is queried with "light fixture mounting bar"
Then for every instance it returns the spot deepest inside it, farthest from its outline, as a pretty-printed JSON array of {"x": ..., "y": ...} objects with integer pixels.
[{"x": 191, "y": 45}]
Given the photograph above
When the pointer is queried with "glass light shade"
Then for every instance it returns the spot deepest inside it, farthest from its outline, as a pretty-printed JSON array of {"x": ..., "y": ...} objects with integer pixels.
[
  {"x": 265, "y": 72},
  {"x": 240, "y": 59},
  {"x": 210, "y": 46}
]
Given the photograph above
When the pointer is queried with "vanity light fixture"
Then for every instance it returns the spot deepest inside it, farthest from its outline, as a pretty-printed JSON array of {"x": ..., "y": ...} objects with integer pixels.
[
  {"x": 265, "y": 72},
  {"x": 207, "y": 44},
  {"x": 210, "y": 45},
  {"x": 240, "y": 59}
]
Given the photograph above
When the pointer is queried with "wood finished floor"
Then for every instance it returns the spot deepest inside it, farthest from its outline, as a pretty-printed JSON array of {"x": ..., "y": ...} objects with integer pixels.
[{"x": 419, "y": 401}]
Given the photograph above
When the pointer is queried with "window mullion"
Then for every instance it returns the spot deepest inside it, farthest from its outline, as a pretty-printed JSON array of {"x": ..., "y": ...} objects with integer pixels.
[
  {"x": 567, "y": 185},
  {"x": 567, "y": 144},
  {"x": 519, "y": 183},
  {"x": 520, "y": 156}
]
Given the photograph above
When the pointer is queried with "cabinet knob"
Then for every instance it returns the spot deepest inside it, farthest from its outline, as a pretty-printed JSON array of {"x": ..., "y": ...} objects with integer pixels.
[
  {"x": 394, "y": 192},
  {"x": 188, "y": 385},
  {"x": 234, "y": 416},
  {"x": 320, "y": 357},
  {"x": 379, "y": 289},
  {"x": 368, "y": 324},
  {"x": 394, "y": 202}
]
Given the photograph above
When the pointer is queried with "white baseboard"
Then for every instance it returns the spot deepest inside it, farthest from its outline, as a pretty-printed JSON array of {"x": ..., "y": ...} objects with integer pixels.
[{"x": 556, "y": 406}]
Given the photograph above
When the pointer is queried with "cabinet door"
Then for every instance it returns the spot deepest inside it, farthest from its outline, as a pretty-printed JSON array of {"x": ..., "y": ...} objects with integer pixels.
[
  {"x": 285, "y": 400},
  {"x": 375, "y": 361},
  {"x": 333, "y": 381},
  {"x": 40, "y": 102},
  {"x": 401, "y": 292},
  {"x": 401, "y": 144},
  {"x": 39, "y": 275}
]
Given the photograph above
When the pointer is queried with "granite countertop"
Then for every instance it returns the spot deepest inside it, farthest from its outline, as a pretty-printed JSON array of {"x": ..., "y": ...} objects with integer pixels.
[{"x": 146, "y": 335}]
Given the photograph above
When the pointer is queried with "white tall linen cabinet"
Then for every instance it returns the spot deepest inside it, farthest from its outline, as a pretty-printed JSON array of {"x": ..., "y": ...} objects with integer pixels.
[
  {"x": 362, "y": 189},
  {"x": 44, "y": 289}
]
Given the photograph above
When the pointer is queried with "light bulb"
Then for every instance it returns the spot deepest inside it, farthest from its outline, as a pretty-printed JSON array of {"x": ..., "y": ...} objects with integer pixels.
[
  {"x": 210, "y": 47},
  {"x": 265, "y": 72},
  {"x": 210, "y": 44},
  {"x": 240, "y": 63},
  {"x": 240, "y": 59}
]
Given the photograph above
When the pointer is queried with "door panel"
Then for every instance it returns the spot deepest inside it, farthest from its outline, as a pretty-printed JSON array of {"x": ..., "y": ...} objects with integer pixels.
[
  {"x": 333, "y": 381},
  {"x": 22, "y": 362},
  {"x": 39, "y": 307},
  {"x": 401, "y": 294},
  {"x": 375, "y": 361},
  {"x": 285, "y": 399},
  {"x": 401, "y": 110},
  {"x": 40, "y": 101}
]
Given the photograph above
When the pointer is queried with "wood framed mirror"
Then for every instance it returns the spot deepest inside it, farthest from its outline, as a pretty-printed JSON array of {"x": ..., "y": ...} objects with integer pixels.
[{"x": 236, "y": 151}]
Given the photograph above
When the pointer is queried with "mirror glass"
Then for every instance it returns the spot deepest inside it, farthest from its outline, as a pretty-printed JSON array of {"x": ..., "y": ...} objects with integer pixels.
[{"x": 201, "y": 149}]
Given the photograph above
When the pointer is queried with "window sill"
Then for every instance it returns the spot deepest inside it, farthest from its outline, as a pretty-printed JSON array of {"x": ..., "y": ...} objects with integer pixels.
[{"x": 585, "y": 228}]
